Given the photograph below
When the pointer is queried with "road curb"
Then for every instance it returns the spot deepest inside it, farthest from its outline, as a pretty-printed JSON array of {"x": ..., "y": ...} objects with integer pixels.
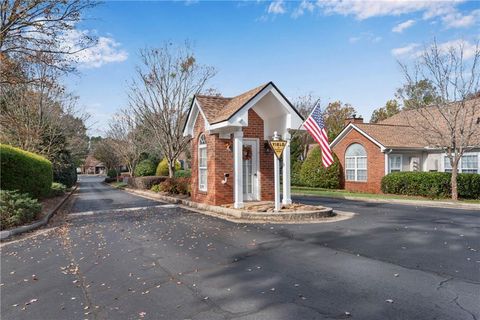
[
  {"x": 239, "y": 215},
  {"x": 40, "y": 223},
  {"x": 420, "y": 203}
]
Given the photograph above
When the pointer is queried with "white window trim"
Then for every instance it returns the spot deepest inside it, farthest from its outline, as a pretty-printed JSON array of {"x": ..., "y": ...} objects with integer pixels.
[
  {"x": 355, "y": 158},
  {"x": 200, "y": 147},
  {"x": 401, "y": 161},
  {"x": 460, "y": 169},
  {"x": 356, "y": 168}
]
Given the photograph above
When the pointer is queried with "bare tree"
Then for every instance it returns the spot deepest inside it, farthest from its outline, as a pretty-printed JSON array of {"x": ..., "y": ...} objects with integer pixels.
[
  {"x": 451, "y": 122},
  {"x": 128, "y": 138},
  {"x": 300, "y": 138},
  {"x": 161, "y": 94},
  {"x": 40, "y": 32},
  {"x": 105, "y": 152},
  {"x": 42, "y": 117}
]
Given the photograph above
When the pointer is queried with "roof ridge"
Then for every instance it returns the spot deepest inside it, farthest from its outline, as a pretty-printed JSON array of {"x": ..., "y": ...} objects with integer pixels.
[
  {"x": 384, "y": 124},
  {"x": 215, "y": 97}
]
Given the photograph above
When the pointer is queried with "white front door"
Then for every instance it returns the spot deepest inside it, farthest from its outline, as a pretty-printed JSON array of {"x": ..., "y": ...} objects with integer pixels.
[{"x": 250, "y": 169}]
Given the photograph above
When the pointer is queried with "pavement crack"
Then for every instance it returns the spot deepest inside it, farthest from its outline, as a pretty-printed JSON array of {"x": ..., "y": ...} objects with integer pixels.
[
  {"x": 465, "y": 310},
  {"x": 75, "y": 269},
  {"x": 441, "y": 283}
]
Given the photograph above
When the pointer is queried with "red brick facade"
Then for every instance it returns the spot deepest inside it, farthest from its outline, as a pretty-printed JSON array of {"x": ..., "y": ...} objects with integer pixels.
[
  {"x": 220, "y": 161},
  {"x": 375, "y": 163}
]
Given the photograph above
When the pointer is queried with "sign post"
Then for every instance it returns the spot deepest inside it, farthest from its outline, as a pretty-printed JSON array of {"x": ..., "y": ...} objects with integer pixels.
[{"x": 277, "y": 146}]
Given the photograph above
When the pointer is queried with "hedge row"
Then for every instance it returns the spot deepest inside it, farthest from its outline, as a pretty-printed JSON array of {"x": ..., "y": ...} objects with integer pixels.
[
  {"x": 173, "y": 186},
  {"x": 431, "y": 184},
  {"x": 25, "y": 171},
  {"x": 145, "y": 183}
]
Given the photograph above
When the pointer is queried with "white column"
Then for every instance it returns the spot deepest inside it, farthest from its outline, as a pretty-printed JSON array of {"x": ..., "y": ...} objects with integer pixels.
[
  {"x": 238, "y": 169},
  {"x": 276, "y": 168},
  {"x": 286, "y": 171}
]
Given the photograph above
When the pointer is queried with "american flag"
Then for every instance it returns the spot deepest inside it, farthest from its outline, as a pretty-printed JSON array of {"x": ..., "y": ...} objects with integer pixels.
[{"x": 316, "y": 128}]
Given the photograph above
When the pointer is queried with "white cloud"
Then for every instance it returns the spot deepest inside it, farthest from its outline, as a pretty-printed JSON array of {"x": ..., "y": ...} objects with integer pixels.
[
  {"x": 469, "y": 49},
  {"x": 446, "y": 11},
  {"x": 367, "y": 36},
  {"x": 457, "y": 20},
  {"x": 106, "y": 50},
  {"x": 413, "y": 50},
  {"x": 305, "y": 5},
  {"x": 399, "y": 28},
  {"x": 368, "y": 9},
  {"x": 407, "y": 50},
  {"x": 354, "y": 39},
  {"x": 277, "y": 7}
]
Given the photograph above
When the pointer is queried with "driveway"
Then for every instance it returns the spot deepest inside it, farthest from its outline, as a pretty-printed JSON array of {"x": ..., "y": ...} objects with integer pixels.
[{"x": 148, "y": 260}]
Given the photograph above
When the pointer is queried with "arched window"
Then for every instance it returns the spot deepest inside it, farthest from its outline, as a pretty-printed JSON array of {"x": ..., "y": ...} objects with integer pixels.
[
  {"x": 202, "y": 163},
  {"x": 356, "y": 163}
]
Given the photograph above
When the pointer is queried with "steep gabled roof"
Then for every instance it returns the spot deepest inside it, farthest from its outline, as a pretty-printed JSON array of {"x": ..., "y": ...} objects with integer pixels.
[
  {"x": 211, "y": 105},
  {"x": 218, "y": 109},
  {"x": 236, "y": 103}
]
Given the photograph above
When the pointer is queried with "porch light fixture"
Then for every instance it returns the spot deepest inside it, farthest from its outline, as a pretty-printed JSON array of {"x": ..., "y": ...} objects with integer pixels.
[{"x": 267, "y": 148}]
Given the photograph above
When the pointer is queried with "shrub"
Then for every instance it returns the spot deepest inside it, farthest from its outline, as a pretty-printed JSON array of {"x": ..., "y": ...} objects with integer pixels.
[
  {"x": 295, "y": 174},
  {"x": 17, "y": 208},
  {"x": 469, "y": 186},
  {"x": 57, "y": 189},
  {"x": 155, "y": 188},
  {"x": 431, "y": 184},
  {"x": 110, "y": 180},
  {"x": 145, "y": 183},
  {"x": 162, "y": 168},
  {"x": 25, "y": 171},
  {"x": 66, "y": 175},
  {"x": 145, "y": 168},
  {"x": 183, "y": 173},
  {"x": 314, "y": 174},
  {"x": 112, "y": 173},
  {"x": 175, "y": 186},
  {"x": 120, "y": 185}
]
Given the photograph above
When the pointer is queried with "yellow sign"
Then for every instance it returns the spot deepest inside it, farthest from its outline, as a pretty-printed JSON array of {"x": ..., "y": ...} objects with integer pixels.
[{"x": 277, "y": 147}]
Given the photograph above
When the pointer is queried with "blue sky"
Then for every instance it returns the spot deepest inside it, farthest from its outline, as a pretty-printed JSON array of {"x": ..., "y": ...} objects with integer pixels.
[{"x": 344, "y": 51}]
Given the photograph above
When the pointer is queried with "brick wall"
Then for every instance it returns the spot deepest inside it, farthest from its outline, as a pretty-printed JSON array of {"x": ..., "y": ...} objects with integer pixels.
[
  {"x": 266, "y": 178},
  {"x": 375, "y": 163},
  {"x": 220, "y": 161}
]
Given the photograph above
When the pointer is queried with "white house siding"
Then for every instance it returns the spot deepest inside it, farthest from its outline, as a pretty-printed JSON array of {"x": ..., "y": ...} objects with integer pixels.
[
  {"x": 429, "y": 160},
  {"x": 407, "y": 158},
  {"x": 433, "y": 161}
]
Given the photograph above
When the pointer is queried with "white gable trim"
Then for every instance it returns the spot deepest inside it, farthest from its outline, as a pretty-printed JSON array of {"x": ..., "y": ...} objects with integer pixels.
[
  {"x": 192, "y": 119},
  {"x": 240, "y": 118},
  {"x": 349, "y": 128}
]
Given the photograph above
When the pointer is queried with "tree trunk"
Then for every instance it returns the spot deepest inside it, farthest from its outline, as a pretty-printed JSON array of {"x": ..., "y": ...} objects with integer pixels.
[
  {"x": 454, "y": 181},
  {"x": 171, "y": 168}
]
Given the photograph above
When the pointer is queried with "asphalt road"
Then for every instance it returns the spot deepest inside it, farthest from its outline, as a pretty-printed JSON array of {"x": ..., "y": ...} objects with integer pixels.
[{"x": 164, "y": 262}]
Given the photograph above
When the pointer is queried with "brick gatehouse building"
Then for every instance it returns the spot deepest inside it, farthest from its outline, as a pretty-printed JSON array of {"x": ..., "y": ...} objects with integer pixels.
[{"x": 231, "y": 159}]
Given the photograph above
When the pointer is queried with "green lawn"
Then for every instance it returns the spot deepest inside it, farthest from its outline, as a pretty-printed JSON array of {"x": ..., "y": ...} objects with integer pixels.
[
  {"x": 119, "y": 185},
  {"x": 342, "y": 193}
]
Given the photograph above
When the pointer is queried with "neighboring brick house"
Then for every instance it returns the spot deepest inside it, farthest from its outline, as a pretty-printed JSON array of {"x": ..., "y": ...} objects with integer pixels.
[
  {"x": 231, "y": 161},
  {"x": 92, "y": 166},
  {"x": 368, "y": 151}
]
